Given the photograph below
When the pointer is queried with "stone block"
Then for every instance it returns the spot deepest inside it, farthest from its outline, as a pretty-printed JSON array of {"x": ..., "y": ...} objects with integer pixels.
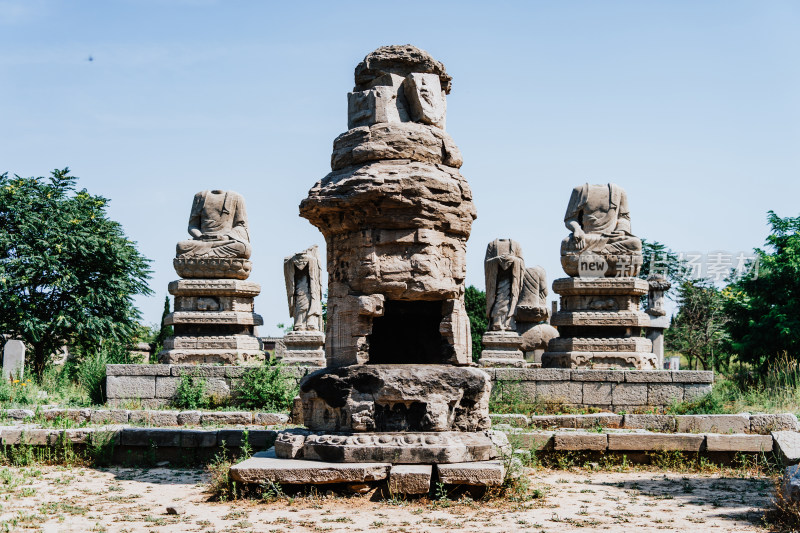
[
  {"x": 515, "y": 420},
  {"x": 553, "y": 421},
  {"x": 236, "y": 371},
  {"x": 538, "y": 440},
  {"x": 663, "y": 394},
  {"x": 159, "y": 437},
  {"x": 289, "y": 443},
  {"x": 596, "y": 393},
  {"x": 787, "y": 445},
  {"x": 270, "y": 419},
  {"x": 655, "y": 442},
  {"x": 629, "y": 394},
  {"x": 580, "y": 441},
  {"x": 692, "y": 376},
  {"x": 137, "y": 370},
  {"x": 135, "y": 387},
  {"x": 410, "y": 479},
  {"x": 206, "y": 371},
  {"x": 110, "y": 416},
  {"x": 568, "y": 392},
  {"x": 692, "y": 391},
  {"x": 738, "y": 443},
  {"x": 549, "y": 374},
  {"x": 189, "y": 418},
  {"x": 606, "y": 376},
  {"x": 790, "y": 484},
  {"x": 603, "y": 420},
  {"x": 228, "y": 418},
  {"x": 76, "y": 435},
  {"x": 198, "y": 438},
  {"x": 713, "y": 423},
  {"x": 764, "y": 424},
  {"x": 167, "y": 386},
  {"x": 480, "y": 473},
  {"x": 649, "y": 422},
  {"x": 18, "y": 414},
  {"x": 516, "y": 391},
  {"x": 648, "y": 376},
  {"x": 76, "y": 415},
  {"x": 264, "y": 467},
  {"x": 154, "y": 417}
]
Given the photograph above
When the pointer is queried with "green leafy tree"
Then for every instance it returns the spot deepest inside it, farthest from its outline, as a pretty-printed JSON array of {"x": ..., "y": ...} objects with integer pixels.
[
  {"x": 68, "y": 274},
  {"x": 764, "y": 306},
  {"x": 475, "y": 303},
  {"x": 699, "y": 329},
  {"x": 658, "y": 258}
]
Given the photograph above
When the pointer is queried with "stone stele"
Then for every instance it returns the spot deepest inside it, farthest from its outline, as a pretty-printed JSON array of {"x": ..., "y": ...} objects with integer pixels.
[
  {"x": 13, "y": 360},
  {"x": 213, "y": 318},
  {"x": 396, "y": 214},
  {"x": 600, "y": 320},
  {"x": 304, "y": 344}
]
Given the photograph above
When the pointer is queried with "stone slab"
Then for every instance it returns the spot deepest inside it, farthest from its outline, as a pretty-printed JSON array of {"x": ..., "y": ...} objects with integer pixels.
[
  {"x": 154, "y": 418},
  {"x": 482, "y": 473},
  {"x": 553, "y": 421},
  {"x": 511, "y": 419},
  {"x": 410, "y": 479},
  {"x": 655, "y": 442},
  {"x": 595, "y": 393},
  {"x": 738, "y": 443},
  {"x": 270, "y": 419},
  {"x": 137, "y": 370},
  {"x": 664, "y": 393},
  {"x": 787, "y": 446},
  {"x": 648, "y": 376},
  {"x": 692, "y": 376},
  {"x": 198, "y": 438},
  {"x": 228, "y": 418},
  {"x": 606, "y": 376},
  {"x": 595, "y": 420},
  {"x": 265, "y": 467},
  {"x": 713, "y": 423},
  {"x": 109, "y": 416},
  {"x": 763, "y": 424},
  {"x": 535, "y": 440},
  {"x": 649, "y": 422},
  {"x": 151, "y": 437},
  {"x": 568, "y": 392},
  {"x": 580, "y": 441}
]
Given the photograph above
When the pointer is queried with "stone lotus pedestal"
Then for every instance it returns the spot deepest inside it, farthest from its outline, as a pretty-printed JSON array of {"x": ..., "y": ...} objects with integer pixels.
[
  {"x": 599, "y": 324},
  {"x": 213, "y": 322},
  {"x": 502, "y": 349},
  {"x": 304, "y": 348}
]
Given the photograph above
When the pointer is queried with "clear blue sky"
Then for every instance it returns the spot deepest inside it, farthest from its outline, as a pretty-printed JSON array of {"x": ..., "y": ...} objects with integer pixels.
[{"x": 692, "y": 106}]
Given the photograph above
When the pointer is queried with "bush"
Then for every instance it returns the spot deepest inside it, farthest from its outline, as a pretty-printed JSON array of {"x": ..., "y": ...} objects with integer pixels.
[
  {"x": 266, "y": 387},
  {"x": 90, "y": 371},
  {"x": 191, "y": 392}
]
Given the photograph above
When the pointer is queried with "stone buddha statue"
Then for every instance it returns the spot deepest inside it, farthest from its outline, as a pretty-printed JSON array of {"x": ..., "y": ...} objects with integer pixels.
[
  {"x": 504, "y": 268},
  {"x": 600, "y": 222},
  {"x": 218, "y": 226},
  {"x": 304, "y": 289}
]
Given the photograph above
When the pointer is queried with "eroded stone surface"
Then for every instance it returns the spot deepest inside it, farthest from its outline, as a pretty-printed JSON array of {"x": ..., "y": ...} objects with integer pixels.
[
  {"x": 485, "y": 473},
  {"x": 410, "y": 479},
  {"x": 396, "y": 398},
  {"x": 264, "y": 467}
]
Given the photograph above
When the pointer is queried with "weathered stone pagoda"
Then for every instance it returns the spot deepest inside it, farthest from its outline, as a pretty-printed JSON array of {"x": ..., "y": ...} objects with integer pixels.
[
  {"x": 600, "y": 319},
  {"x": 213, "y": 317},
  {"x": 399, "y": 386}
]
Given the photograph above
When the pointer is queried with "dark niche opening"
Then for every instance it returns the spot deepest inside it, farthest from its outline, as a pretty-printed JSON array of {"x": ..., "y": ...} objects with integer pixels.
[{"x": 408, "y": 333}]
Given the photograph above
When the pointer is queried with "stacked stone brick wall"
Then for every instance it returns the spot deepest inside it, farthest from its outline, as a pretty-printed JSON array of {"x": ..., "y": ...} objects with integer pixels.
[{"x": 614, "y": 390}]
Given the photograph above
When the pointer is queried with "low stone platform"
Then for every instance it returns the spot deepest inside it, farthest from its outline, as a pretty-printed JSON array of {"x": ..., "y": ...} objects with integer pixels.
[{"x": 266, "y": 467}]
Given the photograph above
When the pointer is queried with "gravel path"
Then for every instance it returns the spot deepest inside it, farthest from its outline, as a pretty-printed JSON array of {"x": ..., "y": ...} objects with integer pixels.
[{"x": 60, "y": 499}]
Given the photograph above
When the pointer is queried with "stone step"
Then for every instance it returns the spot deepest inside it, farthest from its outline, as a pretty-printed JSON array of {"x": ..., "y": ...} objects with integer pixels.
[{"x": 265, "y": 467}]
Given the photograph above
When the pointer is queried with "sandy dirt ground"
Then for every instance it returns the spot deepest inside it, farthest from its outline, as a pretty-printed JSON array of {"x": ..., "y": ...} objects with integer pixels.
[{"x": 60, "y": 499}]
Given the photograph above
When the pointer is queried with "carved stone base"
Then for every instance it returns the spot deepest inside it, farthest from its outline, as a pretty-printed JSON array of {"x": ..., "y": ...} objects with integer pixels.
[
  {"x": 502, "y": 348},
  {"x": 213, "y": 322},
  {"x": 600, "y": 360},
  {"x": 304, "y": 348},
  {"x": 211, "y": 357},
  {"x": 613, "y": 265},
  {"x": 407, "y": 448},
  {"x": 213, "y": 267},
  {"x": 362, "y": 398}
]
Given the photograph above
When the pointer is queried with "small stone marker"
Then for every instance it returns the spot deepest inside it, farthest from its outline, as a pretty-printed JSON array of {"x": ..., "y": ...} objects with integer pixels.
[{"x": 13, "y": 360}]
